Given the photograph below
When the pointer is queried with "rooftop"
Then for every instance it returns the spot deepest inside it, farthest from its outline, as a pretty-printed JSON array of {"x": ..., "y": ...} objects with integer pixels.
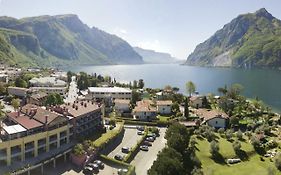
[
  {"x": 109, "y": 89},
  {"x": 79, "y": 108},
  {"x": 13, "y": 129},
  {"x": 195, "y": 97},
  {"x": 210, "y": 114},
  {"x": 39, "y": 95},
  {"x": 40, "y": 114},
  {"x": 52, "y": 81},
  {"x": 164, "y": 102},
  {"x": 18, "y": 88},
  {"x": 122, "y": 101},
  {"x": 24, "y": 120},
  {"x": 145, "y": 106}
]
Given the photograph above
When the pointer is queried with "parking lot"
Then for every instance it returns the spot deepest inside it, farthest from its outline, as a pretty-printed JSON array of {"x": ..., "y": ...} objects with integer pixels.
[
  {"x": 144, "y": 159},
  {"x": 130, "y": 139}
]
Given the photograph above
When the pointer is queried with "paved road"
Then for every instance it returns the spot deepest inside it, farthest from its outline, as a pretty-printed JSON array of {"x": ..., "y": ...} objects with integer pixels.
[
  {"x": 144, "y": 160},
  {"x": 130, "y": 139},
  {"x": 72, "y": 92}
]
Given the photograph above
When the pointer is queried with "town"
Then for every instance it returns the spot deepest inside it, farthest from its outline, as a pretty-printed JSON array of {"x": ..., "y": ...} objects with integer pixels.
[{"x": 54, "y": 121}]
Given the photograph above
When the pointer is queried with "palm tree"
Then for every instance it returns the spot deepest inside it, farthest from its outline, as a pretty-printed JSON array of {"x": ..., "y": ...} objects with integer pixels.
[{"x": 190, "y": 87}]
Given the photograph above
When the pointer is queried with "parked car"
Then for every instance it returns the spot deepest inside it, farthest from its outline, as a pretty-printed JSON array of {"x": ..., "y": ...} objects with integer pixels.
[
  {"x": 118, "y": 157},
  {"x": 147, "y": 143},
  {"x": 94, "y": 166},
  {"x": 88, "y": 170},
  {"x": 122, "y": 171},
  {"x": 152, "y": 135},
  {"x": 140, "y": 128},
  {"x": 150, "y": 139},
  {"x": 144, "y": 148},
  {"x": 99, "y": 163},
  {"x": 140, "y": 132},
  {"x": 125, "y": 150}
]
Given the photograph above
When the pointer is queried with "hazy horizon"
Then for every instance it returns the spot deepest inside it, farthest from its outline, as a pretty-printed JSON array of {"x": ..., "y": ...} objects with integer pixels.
[{"x": 171, "y": 27}]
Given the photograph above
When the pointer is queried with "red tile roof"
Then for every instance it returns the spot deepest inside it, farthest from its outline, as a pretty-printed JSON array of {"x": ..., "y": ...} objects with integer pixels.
[
  {"x": 210, "y": 114},
  {"x": 24, "y": 120}
]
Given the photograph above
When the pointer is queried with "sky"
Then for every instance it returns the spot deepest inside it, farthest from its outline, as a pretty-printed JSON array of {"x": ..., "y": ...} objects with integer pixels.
[{"x": 173, "y": 26}]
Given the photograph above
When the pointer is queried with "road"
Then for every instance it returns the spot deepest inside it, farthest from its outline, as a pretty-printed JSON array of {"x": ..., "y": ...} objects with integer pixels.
[
  {"x": 72, "y": 92},
  {"x": 130, "y": 139},
  {"x": 144, "y": 160}
]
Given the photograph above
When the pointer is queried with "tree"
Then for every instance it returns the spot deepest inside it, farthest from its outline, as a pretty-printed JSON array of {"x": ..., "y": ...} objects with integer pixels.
[
  {"x": 19, "y": 82},
  {"x": 221, "y": 131},
  {"x": 141, "y": 84},
  {"x": 2, "y": 116},
  {"x": 136, "y": 96},
  {"x": 234, "y": 91},
  {"x": 236, "y": 146},
  {"x": 175, "y": 108},
  {"x": 239, "y": 135},
  {"x": 186, "y": 110},
  {"x": 135, "y": 84},
  {"x": 234, "y": 120},
  {"x": 3, "y": 89},
  {"x": 15, "y": 103},
  {"x": 69, "y": 76},
  {"x": 222, "y": 90},
  {"x": 168, "y": 162},
  {"x": 214, "y": 148},
  {"x": 228, "y": 134},
  {"x": 190, "y": 87},
  {"x": 53, "y": 99},
  {"x": 168, "y": 88}
]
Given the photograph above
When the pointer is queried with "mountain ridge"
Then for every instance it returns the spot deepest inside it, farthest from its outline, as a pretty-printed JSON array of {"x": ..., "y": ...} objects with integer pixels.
[
  {"x": 249, "y": 40},
  {"x": 153, "y": 57},
  {"x": 63, "y": 39}
]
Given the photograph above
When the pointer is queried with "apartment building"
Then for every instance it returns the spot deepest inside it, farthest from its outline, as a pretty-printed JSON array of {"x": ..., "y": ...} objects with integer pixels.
[
  {"x": 100, "y": 93},
  {"x": 48, "y": 85},
  {"x": 35, "y": 130}
]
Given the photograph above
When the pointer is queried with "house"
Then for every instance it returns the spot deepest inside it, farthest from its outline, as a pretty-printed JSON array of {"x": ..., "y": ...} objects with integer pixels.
[
  {"x": 145, "y": 110},
  {"x": 196, "y": 101},
  {"x": 37, "y": 98},
  {"x": 122, "y": 105},
  {"x": 164, "y": 107},
  {"x": 213, "y": 118},
  {"x": 18, "y": 91},
  {"x": 100, "y": 93}
]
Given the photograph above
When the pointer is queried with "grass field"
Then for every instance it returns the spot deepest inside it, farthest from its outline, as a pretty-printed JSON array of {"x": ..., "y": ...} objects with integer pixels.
[{"x": 253, "y": 165}]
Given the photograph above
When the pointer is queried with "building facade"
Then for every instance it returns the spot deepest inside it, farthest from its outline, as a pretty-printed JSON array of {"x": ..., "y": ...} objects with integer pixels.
[{"x": 100, "y": 93}]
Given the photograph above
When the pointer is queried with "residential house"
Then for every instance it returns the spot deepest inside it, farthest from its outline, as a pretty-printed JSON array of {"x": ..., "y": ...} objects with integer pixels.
[
  {"x": 37, "y": 98},
  {"x": 121, "y": 105},
  {"x": 214, "y": 118},
  {"x": 145, "y": 110},
  {"x": 196, "y": 101},
  {"x": 164, "y": 107}
]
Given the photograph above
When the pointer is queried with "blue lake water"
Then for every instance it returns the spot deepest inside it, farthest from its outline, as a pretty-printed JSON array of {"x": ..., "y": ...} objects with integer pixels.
[{"x": 265, "y": 84}]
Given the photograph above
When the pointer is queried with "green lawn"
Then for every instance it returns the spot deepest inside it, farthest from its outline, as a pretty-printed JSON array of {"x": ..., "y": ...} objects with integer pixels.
[
  {"x": 163, "y": 118},
  {"x": 251, "y": 166}
]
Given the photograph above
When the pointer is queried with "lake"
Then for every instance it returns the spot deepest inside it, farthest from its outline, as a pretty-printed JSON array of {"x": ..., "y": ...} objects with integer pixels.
[{"x": 262, "y": 83}]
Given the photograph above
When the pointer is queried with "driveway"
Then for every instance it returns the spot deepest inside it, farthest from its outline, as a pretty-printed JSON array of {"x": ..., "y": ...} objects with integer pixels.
[
  {"x": 130, "y": 139},
  {"x": 144, "y": 160}
]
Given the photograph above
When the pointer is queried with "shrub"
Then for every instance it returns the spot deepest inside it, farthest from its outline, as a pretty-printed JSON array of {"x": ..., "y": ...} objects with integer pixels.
[
  {"x": 228, "y": 134},
  {"x": 236, "y": 146},
  {"x": 239, "y": 135},
  {"x": 214, "y": 148},
  {"x": 221, "y": 131}
]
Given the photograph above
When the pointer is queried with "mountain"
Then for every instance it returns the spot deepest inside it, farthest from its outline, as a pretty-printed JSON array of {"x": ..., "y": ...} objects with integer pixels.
[
  {"x": 250, "y": 40},
  {"x": 151, "y": 56},
  {"x": 59, "y": 40}
]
